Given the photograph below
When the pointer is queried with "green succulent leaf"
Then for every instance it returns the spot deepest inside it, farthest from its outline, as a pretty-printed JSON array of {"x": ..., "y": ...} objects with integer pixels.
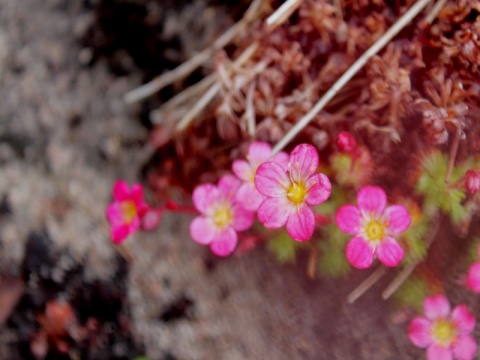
[
  {"x": 412, "y": 293},
  {"x": 284, "y": 247},
  {"x": 332, "y": 260}
]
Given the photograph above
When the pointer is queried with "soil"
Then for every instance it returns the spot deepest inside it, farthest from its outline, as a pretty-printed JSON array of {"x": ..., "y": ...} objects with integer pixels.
[{"x": 65, "y": 137}]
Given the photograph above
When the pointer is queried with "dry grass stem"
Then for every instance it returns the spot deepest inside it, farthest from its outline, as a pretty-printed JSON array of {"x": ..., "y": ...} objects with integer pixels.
[
  {"x": 282, "y": 13},
  {"x": 350, "y": 73},
  {"x": 452, "y": 156},
  {"x": 213, "y": 91},
  {"x": 407, "y": 270},
  {"x": 250, "y": 110},
  {"x": 435, "y": 10},
  {"x": 193, "y": 63},
  {"x": 366, "y": 284}
]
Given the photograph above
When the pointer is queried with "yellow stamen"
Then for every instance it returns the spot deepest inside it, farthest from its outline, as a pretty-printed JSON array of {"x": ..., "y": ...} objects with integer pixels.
[
  {"x": 375, "y": 230},
  {"x": 296, "y": 193},
  {"x": 444, "y": 332},
  {"x": 128, "y": 210},
  {"x": 222, "y": 217}
]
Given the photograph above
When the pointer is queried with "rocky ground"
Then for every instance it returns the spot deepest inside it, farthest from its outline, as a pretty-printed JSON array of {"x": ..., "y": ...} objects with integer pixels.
[{"x": 65, "y": 137}]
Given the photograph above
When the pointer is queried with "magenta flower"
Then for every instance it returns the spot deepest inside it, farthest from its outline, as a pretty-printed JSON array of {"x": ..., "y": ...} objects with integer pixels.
[
  {"x": 290, "y": 192},
  {"x": 445, "y": 334},
  {"x": 473, "y": 277},
  {"x": 123, "y": 213},
  {"x": 221, "y": 217},
  {"x": 258, "y": 153},
  {"x": 374, "y": 227}
]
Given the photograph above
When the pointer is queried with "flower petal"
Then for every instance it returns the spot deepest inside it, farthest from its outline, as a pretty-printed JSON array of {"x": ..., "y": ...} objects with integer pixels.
[
  {"x": 465, "y": 348},
  {"x": 228, "y": 185},
  {"x": 282, "y": 159},
  {"x": 248, "y": 197},
  {"x": 301, "y": 223},
  {"x": 204, "y": 196},
  {"x": 202, "y": 230},
  {"x": 271, "y": 180},
  {"x": 242, "y": 218},
  {"x": 274, "y": 212},
  {"x": 303, "y": 162},
  {"x": 389, "y": 252},
  {"x": 473, "y": 277},
  {"x": 114, "y": 214},
  {"x": 258, "y": 153},
  {"x": 464, "y": 319},
  {"x": 136, "y": 194},
  {"x": 359, "y": 253},
  {"x": 372, "y": 199},
  {"x": 119, "y": 233},
  {"x": 435, "y": 352},
  {"x": 419, "y": 332},
  {"x": 436, "y": 306},
  {"x": 242, "y": 170},
  {"x": 348, "y": 219},
  {"x": 319, "y": 189},
  {"x": 121, "y": 191},
  {"x": 225, "y": 243},
  {"x": 398, "y": 219}
]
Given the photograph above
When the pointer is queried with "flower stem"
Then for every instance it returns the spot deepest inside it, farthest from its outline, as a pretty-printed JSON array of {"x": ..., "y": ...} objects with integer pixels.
[{"x": 366, "y": 284}]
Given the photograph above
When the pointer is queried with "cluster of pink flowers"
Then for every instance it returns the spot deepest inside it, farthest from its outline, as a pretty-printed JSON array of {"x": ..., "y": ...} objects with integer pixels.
[
  {"x": 445, "y": 333},
  {"x": 279, "y": 188}
]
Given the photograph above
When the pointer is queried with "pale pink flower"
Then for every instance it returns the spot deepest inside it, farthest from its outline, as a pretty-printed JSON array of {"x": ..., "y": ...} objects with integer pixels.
[
  {"x": 374, "y": 226},
  {"x": 290, "y": 192},
  {"x": 124, "y": 213},
  {"x": 258, "y": 153},
  {"x": 445, "y": 333},
  {"x": 221, "y": 217}
]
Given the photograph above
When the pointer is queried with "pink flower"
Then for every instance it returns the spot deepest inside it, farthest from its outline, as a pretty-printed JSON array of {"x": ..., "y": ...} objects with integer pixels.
[
  {"x": 221, "y": 217},
  {"x": 473, "y": 276},
  {"x": 123, "y": 213},
  {"x": 290, "y": 192},
  {"x": 445, "y": 334},
  {"x": 258, "y": 153},
  {"x": 374, "y": 227}
]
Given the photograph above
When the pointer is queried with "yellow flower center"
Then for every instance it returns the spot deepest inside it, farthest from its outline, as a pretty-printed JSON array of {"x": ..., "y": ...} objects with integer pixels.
[
  {"x": 296, "y": 193},
  {"x": 129, "y": 211},
  {"x": 222, "y": 217},
  {"x": 375, "y": 230},
  {"x": 444, "y": 332}
]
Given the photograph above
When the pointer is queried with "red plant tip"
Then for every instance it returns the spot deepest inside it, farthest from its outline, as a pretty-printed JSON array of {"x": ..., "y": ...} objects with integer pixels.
[
  {"x": 346, "y": 143},
  {"x": 149, "y": 218},
  {"x": 171, "y": 205},
  {"x": 472, "y": 182}
]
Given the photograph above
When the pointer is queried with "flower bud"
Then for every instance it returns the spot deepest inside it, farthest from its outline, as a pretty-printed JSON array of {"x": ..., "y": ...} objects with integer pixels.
[
  {"x": 346, "y": 142},
  {"x": 472, "y": 182}
]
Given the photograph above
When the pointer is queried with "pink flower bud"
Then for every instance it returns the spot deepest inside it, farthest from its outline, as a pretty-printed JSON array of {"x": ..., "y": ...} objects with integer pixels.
[
  {"x": 472, "y": 182},
  {"x": 346, "y": 142},
  {"x": 150, "y": 218}
]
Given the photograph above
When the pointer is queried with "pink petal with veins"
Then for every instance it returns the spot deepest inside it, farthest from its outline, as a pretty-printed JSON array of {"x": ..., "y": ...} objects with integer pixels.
[
  {"x": 301, "y": 223},
  {"x": 303, "y": 162},
  {"x": 372, "y": 199},
  {"x": 348, "y": 219},
  {"x": 359, "y": 253}
]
